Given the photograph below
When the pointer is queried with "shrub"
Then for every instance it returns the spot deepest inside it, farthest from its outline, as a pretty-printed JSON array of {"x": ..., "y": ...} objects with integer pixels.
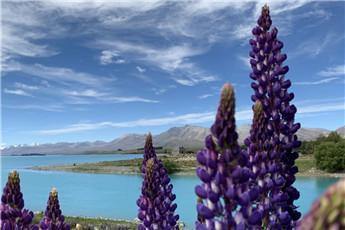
[
  {"x": 332, "y": 137},
  {"x": 171, "y": 166},
  {"x": 330, "y": 156},
  {"x": 307, "y": 147}
]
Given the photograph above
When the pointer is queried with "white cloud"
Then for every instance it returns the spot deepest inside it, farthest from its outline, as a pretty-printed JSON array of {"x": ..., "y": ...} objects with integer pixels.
[
  {"x": 56, "y": 74},
  {"x": 23, "y": 86},
  {"x": 78, "y": 97},
  {"x": 140, "y": 69},
  {"x": 245, "y": 61},
  {"x": 172, "y": 59},
  {"x": 182, "y": 119},
  {"x": 190, "y": 118},
  {"x": 18, "y": 92},
  {"x": 315, "y": 46},
  {"x": 317, "y": 107},
  {"x": 84, "y": 93},
  {"x": 48, "y": 108},
  {"x": 242, "y": 31},
  {"x": 204, "y": 96},
  {"x": 129, "y": 99},
  {"x": 23, "y": 24},
  {"x": 21, "y": 89},
  {"x": 108, "y": 57},
  {"x": 338, "y": 70},
  {"x": 159, "y": 91},
  {"x": 319, "y": 82}
]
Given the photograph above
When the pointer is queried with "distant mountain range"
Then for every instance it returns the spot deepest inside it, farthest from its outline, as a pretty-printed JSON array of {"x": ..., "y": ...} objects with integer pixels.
[{"x": 188, "y": 136}]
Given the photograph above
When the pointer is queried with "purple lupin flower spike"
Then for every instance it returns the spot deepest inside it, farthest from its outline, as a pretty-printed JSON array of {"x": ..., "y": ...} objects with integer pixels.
[
  {"x": 223, "y": 172},
  {"x": 13, "y": 214},
  {"x": 11, "y": 194},
  {"x": 156, "y": 207},
  {"x": 259, "y": 164},
  {"x": 53, "y": 218},
  {"x": 271, "y": 89}
]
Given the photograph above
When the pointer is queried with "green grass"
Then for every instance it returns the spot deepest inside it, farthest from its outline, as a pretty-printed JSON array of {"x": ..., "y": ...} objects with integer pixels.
[
  {"x": 183, "y": 164},
  {"x": 305, "y": 163},
  {"x": 93, "y": 223}
]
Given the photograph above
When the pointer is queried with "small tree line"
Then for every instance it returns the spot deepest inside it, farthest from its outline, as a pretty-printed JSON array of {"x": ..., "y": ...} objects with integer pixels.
[{"x": 328, "y": 152}]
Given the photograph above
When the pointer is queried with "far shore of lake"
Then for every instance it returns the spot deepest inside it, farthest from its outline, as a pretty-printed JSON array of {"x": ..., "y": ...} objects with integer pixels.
[
  {"x": 177, "y": 165},
  {"x": 94, "y": 223}
]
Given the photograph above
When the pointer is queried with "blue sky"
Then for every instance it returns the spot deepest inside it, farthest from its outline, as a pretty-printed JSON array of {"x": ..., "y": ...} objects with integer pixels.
[{"x": 98, "y": 70}]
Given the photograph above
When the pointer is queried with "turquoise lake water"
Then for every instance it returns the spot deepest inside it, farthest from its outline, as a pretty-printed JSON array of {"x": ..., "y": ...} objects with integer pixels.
[{"x": 114, "y": 196}]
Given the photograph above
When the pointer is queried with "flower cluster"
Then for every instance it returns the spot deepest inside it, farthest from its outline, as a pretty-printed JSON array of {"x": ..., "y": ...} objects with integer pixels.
[
  {"x": 223, "y": 171},
  {"x": 273, "y": 157},
  {"x": 53, "y": 218},
  {"x": 13, "y": 214},
  {"x": 252, "y": 188},
  {"x": 328, "y": 212},
  {"x": 156, "y": 207}
]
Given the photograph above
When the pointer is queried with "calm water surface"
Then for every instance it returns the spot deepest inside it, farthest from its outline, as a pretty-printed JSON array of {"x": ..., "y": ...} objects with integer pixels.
[{"x": 114, "y": 196}]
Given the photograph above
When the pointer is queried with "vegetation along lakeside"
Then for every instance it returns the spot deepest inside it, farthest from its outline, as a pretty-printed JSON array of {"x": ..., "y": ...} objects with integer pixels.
[{"x": 324, "y": 156}]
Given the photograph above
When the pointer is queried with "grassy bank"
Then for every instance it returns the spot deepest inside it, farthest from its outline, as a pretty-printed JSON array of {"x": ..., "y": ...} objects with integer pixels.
[
  {"x": 94, "y": 223},
  {"x": 182, "y": 165}
]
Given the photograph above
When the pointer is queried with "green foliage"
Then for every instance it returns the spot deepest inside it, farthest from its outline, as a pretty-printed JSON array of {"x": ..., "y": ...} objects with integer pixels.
[
  {"x": 307, "y": 147},
  {"x": 332, "y": 137},
  {"x": 171, "y": 166},
  {"x": 330, "y": 156}
]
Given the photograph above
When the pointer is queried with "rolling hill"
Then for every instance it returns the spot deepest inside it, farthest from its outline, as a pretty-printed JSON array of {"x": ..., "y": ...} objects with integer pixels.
[{"x": 188, "y": 136}]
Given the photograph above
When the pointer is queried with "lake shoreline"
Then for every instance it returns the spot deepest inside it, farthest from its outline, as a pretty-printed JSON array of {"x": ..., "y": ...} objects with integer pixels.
[
  {"x": 93, "y": 222},
  {"x": 183, "y": 166}
]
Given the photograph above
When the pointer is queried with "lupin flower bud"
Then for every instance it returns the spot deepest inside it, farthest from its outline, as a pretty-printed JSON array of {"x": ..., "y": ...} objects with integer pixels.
[
  {"x": 156, "y": 207},
  {"x": 13, "y": 216},
  {"x": 274, "y": 137},
  {"x": 53, "y": 218},
  {"x": 223, "y": 171},
  {"x": 328, "y": 212}
]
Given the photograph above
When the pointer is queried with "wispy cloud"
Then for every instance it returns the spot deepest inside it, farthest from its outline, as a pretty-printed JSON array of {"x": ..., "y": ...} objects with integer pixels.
[
  {"x": 18, "y": 92},
  {"x": 319, "y": 82},
  {"x": 140, "y": 69},
  {"x": 48, "y": 108},
  {"x": 245, "y": 61},
  {"x": 159, "y": 91},
  {"x": 130, "y": 99},
  {"x": 314, "y": 46},
  {"x": 338, "y": 70},
  {"x": 172, "y": 59},
  {"x": 85, "y": 93},
  {"x": 190, "y": 118},
  {"x": 23, "y": 86},
  {"x": 108, "y": 57},
  {"x": 21, "y": 89},
  {"x": 204, "y": 96},
  {"x": 56, "y": 74},
  {"x": 79, "y": 97},
  {"x": 317, "y": 108}
]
